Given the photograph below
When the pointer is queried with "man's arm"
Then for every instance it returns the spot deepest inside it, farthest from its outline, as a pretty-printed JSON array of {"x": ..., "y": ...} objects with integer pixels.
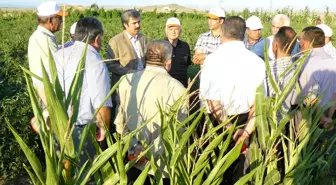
[
  {"x": 103, "y": 119},
  {"x": 199, "y": 55},
  {"x": 216, "y": 110},
  {"x": 114, "y": 66},
  {"x": 242, "y": 135}
]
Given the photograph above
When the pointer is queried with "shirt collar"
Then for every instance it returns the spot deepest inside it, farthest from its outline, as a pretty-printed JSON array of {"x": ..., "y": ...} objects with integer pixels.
[
  {"x": 236, "y": 43},
  {"x": 83, "y": 44},
  {"x": 210, "y": 34},
  {"x": 178, "y": 42},
  {"x": 155, "y": 68},
  {"x": 130, "y": 36},
  {"x": 44, "y": 30}
]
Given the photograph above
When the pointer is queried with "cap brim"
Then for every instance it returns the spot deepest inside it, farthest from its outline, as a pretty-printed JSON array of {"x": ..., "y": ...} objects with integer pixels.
[
  {"x": 61, "y": 13},
  {"x": 212, "y": 16},
  {"x": 173, "y": 25}
]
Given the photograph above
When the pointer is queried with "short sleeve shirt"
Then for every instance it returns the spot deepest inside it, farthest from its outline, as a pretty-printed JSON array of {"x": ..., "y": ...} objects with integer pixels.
[
  {"x": 96, "y": 81},
  {"x": 330, "y": 49}
]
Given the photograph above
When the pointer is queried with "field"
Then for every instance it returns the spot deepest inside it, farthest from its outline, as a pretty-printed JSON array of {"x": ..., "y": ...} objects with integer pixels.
[{"x": 15, "y": 30}]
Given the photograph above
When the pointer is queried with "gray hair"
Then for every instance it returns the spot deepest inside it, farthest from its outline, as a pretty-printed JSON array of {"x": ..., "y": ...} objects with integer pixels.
[
  {"x": 234, "y": 27},
  {"x": 44, "y": 19},
  {"x": 126, "y": 15},
  {"x": 158, "y": 52},
  {"x": 281, "y": 19}
]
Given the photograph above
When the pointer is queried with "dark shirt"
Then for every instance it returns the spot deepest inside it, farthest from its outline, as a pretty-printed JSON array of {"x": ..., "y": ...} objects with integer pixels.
[{"x": 181, "y": 60}]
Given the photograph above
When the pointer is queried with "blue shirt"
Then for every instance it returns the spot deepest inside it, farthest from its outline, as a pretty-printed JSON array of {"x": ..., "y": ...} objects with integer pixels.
[{"x": 96, "y": 81}]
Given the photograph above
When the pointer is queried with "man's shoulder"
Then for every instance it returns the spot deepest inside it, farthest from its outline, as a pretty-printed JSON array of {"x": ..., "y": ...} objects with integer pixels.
[
  {"x": 206, "y": 34},
  {"x": 118, "y": 36}
]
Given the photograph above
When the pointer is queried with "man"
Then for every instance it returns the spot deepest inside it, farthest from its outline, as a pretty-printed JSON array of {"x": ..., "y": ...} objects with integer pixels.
[
  {"x": 96, "y": 82},
  {"x": 318, "y": 76},
  {"x": 282, "y": 63},
  {"x": 128, "y": 47},
  {"x": 223, "y": 81},
  {"x": 72, "y": 35},
  {"x": 253, "y": 32},
  {"x": 328, "y": 47},
  {"x": 49, "y": 17},
  {"x": 181, "y": 59},
  {"x": 140, "y": 93},
  {"x": 278, "y": 21},
  {"x": 209, "y": 42}
]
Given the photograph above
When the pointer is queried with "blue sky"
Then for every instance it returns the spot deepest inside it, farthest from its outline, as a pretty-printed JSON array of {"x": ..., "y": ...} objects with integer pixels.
[{"x": 318, "y": 5}]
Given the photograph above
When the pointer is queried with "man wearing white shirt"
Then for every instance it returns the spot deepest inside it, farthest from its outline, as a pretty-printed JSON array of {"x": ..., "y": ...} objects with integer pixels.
[
  {"x": 224, "y": 85},
  {"x": 278, "y": 21},
  {"x": 328, "y": 47}
]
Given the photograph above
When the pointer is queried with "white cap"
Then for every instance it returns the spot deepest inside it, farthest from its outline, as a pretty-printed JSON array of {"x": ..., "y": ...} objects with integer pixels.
[
  {"x": 73, "y": 28},
  {"x": 216, "y": 13},
  {"x": 49, "y": 8},
  {"x": 326, "y": 29},
  {"x": 254, "y": 23},
  {"x": 173, "y": 21}
]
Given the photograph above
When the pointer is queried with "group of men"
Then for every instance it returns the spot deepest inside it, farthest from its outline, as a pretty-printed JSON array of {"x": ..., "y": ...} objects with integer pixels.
[{"x": 151, "y": 73}]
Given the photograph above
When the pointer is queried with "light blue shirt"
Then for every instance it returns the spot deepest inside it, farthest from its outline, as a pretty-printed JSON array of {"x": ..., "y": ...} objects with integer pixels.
[
  {"x": 259, "y": 48},
  {"x": 96, "y": 81}
]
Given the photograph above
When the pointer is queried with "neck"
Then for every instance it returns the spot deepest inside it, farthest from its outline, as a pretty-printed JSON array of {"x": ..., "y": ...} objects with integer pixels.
[
  {"x": 46, "y": 26},
  {"x": 216, "y": 32},
  {"x": 173, "y": 42},
  {"x": 225, "y": 40},
  {"x": 282, "y": 54}
]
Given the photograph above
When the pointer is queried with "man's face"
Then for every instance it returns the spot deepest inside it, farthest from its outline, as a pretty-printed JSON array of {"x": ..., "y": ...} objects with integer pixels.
[
  {"x": 133, "y": 26},
  {"x": 254, "y": 34},
  {"x": 56, "y": 23},
  {"x": 173, "y": 32},
  {"x": 214, "y": 23},
  {"x": 275, "y": 28}
]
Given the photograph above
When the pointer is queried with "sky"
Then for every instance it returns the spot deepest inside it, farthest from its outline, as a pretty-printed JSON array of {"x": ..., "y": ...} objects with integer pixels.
[{"x": 318, "y": 5}]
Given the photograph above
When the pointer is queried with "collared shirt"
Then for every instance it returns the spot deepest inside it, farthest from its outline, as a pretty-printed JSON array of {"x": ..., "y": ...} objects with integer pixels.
[
  {"x": 259, "y": 48},
  {"x": 318, "y": 76},
  {"x": 250, "y": 46},
  {"x": 207, "y": 43},
  {"x": 69, "y": 43},
  {"x": 140, "y": 93},
  {"x": 38, "y": 50},
  {"x": 181, "y": 60},
  {"x": 96, "y": 81},
  {"x": 278, "y": 67},
  {"x": 136, "y": 46},
  {"x": 232, "y": 75},
  {"x": 330, "y": 49}
]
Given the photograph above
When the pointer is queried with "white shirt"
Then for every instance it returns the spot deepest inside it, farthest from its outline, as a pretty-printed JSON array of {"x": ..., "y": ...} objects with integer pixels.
[
  {"x": 232, "y": 75},
  {"x": 330, "y": 49},
  {"x": 136, "y": 46},
  {"x": 38, "y": 50},
  {"x": 96, "y": 80}
]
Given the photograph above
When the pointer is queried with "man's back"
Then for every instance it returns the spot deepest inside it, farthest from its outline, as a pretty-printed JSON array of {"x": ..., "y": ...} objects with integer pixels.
[
  {"x": 96, "y": 82},
  {"x": 318, "y": 75},
  {"x": 232, "y": 75}
]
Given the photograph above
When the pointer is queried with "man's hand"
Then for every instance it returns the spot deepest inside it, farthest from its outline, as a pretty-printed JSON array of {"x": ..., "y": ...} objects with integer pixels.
[
  {"x": 242, "y": 135},
  {"x": 326, "y": 123},
  {"x": 199, "y": 58},
  {"x": 100, "y": 134}
]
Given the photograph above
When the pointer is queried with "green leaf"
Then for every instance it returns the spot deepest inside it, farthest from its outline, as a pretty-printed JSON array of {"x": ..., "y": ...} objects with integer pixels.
[
  {"x": 32, "y": 176},
  {"x": 142, "y": 177},
  {"x": 246, "y": 178},
  {"x": 272, "y": 178}
]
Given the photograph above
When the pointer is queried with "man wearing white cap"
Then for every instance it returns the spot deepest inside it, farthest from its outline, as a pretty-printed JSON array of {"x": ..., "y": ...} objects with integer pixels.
[
  {"x": 328, "y": 47},
  {"x": 72, "y": 35},
  {"x": 181, "y": 59},
  {"x": 253, "y": 32},
  {"x": 50, "y": 19},
  {"x": 208, "y": 42},
  {"x": 278, "y": 21}
]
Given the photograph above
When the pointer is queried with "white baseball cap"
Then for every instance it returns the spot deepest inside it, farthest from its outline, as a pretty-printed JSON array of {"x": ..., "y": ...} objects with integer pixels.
[
  {"x": 326, "y": 29},
  {"x": 73, "y": 28},
  {"x": 173, "y": 21},
  {"x": 254, "y": 23},
  {"x": 216, "y": 13},
  {"x": 48, "y": 8}
]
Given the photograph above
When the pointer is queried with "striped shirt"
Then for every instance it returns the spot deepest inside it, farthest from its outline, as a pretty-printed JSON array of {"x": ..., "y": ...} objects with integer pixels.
[
  {"x": 207, "y": 43},
  {"x": 278, "y": 67},
  {"x": 330, "y": 49}
]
